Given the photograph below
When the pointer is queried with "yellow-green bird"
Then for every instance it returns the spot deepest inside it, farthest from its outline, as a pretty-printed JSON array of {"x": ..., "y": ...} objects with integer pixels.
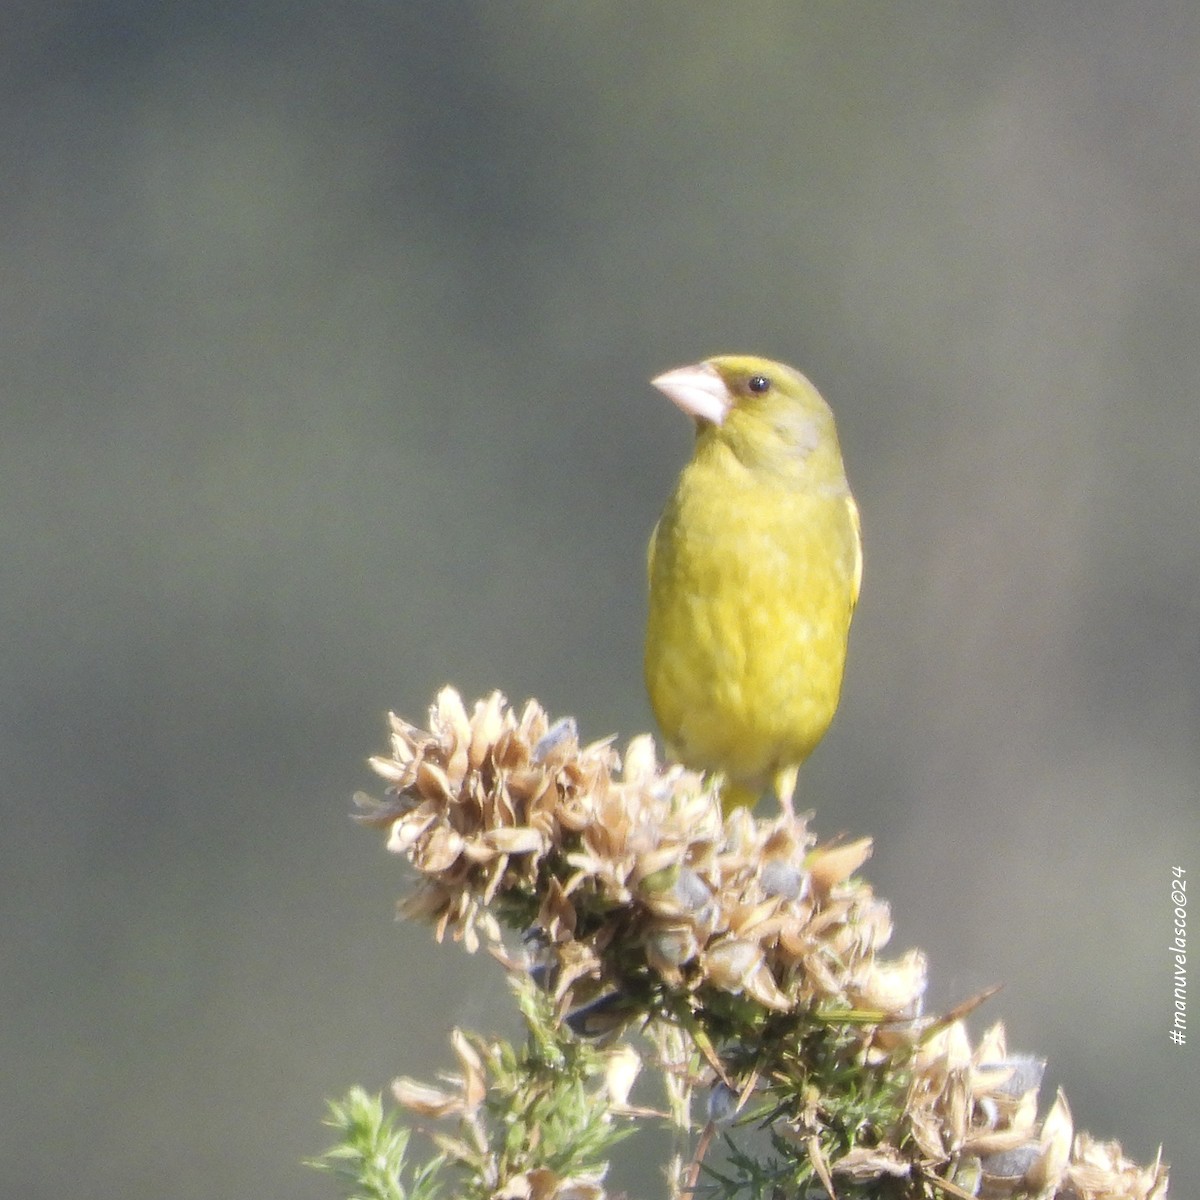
[{"x": 754, "y": 567}]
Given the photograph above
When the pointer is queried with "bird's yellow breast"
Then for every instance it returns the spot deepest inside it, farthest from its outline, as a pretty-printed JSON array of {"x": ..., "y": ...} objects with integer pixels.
[{"x": 753, "y": 581}]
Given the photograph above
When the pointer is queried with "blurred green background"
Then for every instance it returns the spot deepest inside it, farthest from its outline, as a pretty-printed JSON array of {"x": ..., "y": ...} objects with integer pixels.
[{"x": 326, "y": 332}]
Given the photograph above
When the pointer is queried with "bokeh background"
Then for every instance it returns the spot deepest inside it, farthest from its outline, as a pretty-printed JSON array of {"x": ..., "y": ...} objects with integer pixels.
[{"x": 325, "y": 338}]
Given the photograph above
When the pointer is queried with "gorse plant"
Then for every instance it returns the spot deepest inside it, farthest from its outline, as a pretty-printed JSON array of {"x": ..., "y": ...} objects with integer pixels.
[{"x": 739, "y": 959}]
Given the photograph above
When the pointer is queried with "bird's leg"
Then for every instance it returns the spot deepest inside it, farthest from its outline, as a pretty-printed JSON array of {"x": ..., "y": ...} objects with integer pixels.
[{"x": 785, "y": 787}]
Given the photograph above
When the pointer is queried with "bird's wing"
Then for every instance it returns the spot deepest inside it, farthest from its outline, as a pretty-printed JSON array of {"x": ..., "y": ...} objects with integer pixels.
[{"x": 856, "y": 525}]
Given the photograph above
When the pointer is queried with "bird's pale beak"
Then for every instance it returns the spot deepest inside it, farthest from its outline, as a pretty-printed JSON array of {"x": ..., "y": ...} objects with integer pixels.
[{"x": 698, "y": 390}]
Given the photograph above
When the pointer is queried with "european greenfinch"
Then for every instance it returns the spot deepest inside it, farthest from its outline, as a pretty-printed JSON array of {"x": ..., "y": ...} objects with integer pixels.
[{"x": 755, "y": 567}]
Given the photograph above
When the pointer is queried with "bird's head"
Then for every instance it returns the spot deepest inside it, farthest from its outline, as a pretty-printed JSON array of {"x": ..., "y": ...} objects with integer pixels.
[{"x": 765, "y": 412}]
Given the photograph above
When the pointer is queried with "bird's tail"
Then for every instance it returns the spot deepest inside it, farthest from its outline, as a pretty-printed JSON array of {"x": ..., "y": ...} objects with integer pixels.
[
  {"x": 735, "y": 794},
  {"x": 738, "y": 795}
]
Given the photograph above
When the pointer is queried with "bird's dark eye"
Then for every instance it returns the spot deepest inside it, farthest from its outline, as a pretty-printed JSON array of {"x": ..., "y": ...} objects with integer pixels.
[{"x": 759, "y": 384}]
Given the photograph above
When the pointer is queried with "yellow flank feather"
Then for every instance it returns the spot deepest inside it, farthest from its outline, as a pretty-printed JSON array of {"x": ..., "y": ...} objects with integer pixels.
[{"x": 754, "y": 572}]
